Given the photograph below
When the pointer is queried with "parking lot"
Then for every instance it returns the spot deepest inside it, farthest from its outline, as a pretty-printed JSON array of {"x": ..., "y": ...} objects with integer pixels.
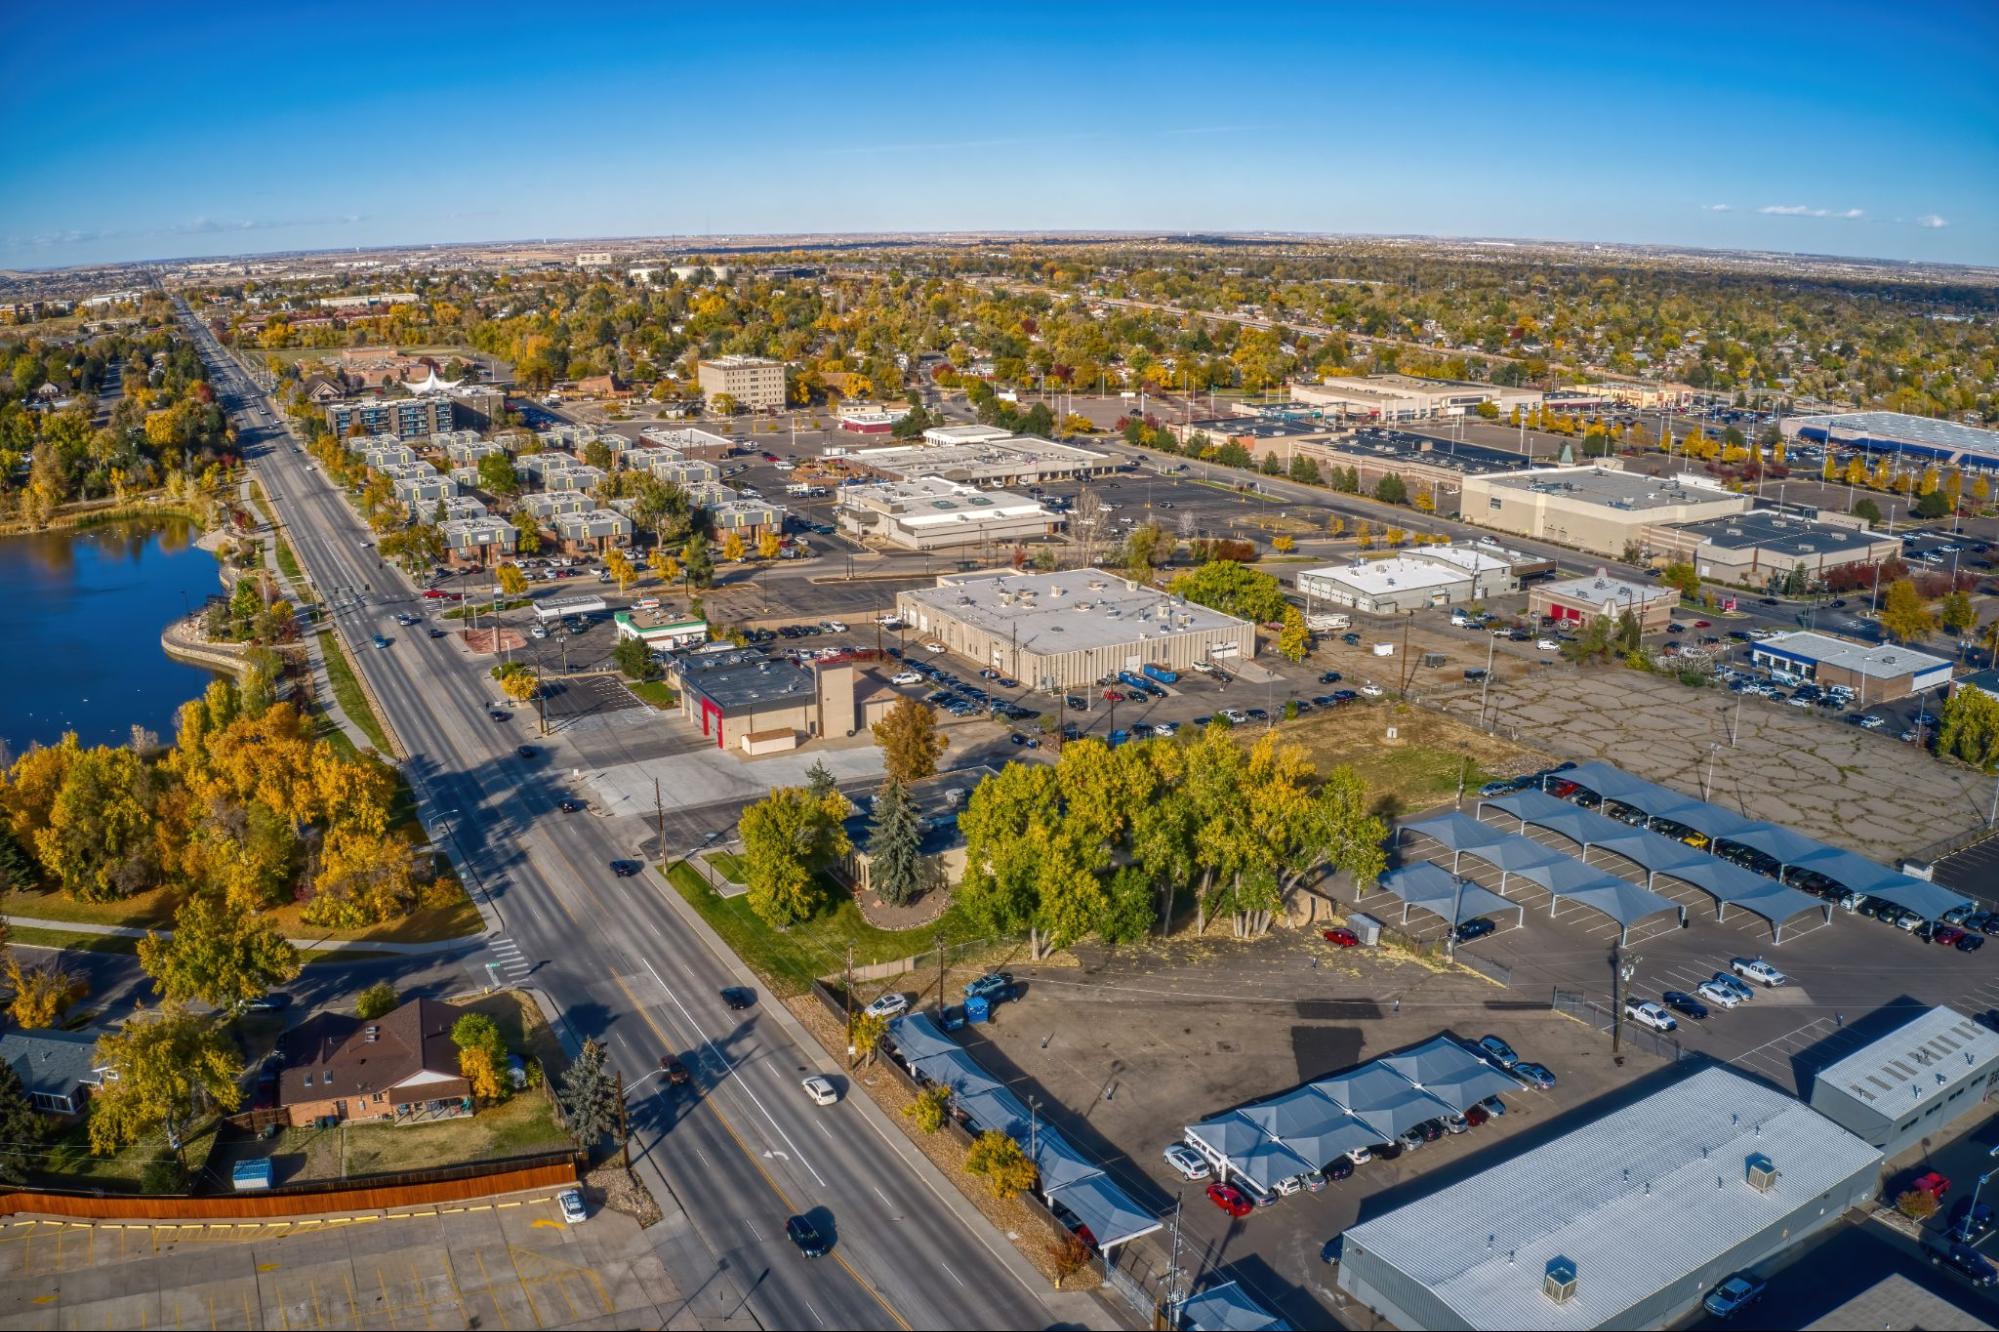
[{"x": 508, "y": 1262}]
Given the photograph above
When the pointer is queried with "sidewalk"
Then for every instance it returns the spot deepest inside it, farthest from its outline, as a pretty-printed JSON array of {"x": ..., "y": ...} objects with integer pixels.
[{"x": 424, "y": 949}]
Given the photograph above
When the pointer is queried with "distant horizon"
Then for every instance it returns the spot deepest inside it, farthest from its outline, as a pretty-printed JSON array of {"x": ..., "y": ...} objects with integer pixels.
[
  {"x": 828, "y": 238},
  {"x": 1850, "y": 129}
]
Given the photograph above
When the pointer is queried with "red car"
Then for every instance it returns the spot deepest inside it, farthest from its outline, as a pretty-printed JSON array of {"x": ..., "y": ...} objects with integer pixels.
[
  {"x": 1113, "y": 696},
  {"x": 1702, "y": 624},
  {"x": 439, "y": 594},
  {"x": 1930, "y": 1182},
  {"x": 1231, "y": 1200},
  {"x": 1477, "y": 1115},
  {"x": 1947, "y": 935},
  {"x": 770, "y": 457},
  {"x": 1563, "y": 790},
  {"x": 1342, "y": 936}
]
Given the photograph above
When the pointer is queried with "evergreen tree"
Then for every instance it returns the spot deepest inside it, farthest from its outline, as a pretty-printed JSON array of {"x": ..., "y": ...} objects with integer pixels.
[
  {"x": 589, "y": 1097},
  {"x": 20, "y": 1128},
  {"x": 895, "y": 847},
  {"x": 819, "y": 779}
]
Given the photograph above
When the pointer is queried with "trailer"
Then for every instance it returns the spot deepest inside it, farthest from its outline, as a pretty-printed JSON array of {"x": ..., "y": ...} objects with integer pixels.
[{"x": 1160, "y": 673}]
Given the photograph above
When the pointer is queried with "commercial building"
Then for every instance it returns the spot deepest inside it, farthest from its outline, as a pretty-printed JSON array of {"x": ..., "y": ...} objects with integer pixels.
[
  {"x": 669, "y": 635},
  {"x": 1918, "y": 439},
  {"x": 762, "y": 704},
  {"x": 1880, "y": 672},
  {"x": 753, "y": 381},
  {"x": 1913, "y": 1083},
  {"x": 870, "y": 419},
  {"x": 1645, "y": 394},
  {"x": 965, "y": 434},
  {"x": 1422, "y": 463},
  {"x": 1013, "y": 460},
  {"x": 1591, "y": 508},
  {"x": 930, "y": 513},
  {"x": 1063, "y": 630},
  {"x": 401, "y": 1067},
  {"x": 1385, "y": 587},
  {"x": 1582, "y": 600},
  {"x": 1625, "y": 1222},
  {"x": 1987, "y": 680},
  {"x": 1493, "y": 572},
  {"x": 1260, "y": 436},
  {"x": 1386, "y": 398},
  {"x": 688, "y": 442},
  {"x": 1750, "y": 549}
]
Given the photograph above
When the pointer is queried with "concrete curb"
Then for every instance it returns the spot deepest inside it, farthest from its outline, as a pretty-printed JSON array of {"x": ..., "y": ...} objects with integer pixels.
[{"x": 424, "y": 949}]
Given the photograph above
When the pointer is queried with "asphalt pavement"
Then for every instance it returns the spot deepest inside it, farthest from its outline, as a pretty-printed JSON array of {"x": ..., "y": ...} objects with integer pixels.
[{"x": 627, "y": 962}]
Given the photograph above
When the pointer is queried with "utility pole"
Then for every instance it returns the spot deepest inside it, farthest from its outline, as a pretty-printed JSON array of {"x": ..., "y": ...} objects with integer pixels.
[
  {"x": 659, "y": 817},
  {"x": 1621, "y": 971},
  {"x": 940, "y": 972},
  {"x": 624, "y": 1126},
  {"x": 847, "y": 998},
  {"x": 1485, "y": 685}
]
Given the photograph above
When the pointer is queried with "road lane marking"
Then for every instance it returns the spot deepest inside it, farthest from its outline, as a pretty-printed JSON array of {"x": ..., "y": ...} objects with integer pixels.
[{"x": 948, "y": 1272}]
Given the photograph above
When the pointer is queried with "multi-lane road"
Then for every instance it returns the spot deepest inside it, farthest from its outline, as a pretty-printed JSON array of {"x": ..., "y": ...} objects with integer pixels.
[{"x": 626, "y": 962}]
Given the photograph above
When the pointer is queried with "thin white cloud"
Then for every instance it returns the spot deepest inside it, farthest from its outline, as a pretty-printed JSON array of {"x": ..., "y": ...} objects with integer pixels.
[
  {"x": 1806, "y": 210},
  {"x": 1931, "y": 222},
  {"x": 200, "y": 226},
  {"x": 1719, "y": 208}
]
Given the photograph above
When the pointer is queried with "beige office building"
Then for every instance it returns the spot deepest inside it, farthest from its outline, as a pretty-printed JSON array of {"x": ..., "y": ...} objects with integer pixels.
[
  {"x": 753, "y": 381},
  {"x": 1590, "y": 508}
]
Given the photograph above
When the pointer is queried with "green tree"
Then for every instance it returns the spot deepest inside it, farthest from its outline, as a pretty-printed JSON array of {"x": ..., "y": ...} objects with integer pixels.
[
  {"x": 1391, "y": 489},
  {"x": 1683, "y": 576},
  {"x": 20, "y": 1129},
  {"x": 1233, "y": 589},
  {"x": 1143, "y": 552},
  {"x": 931, "y": 1108},
  {"x": 910, "y": 742},
  {"x": 378, "y": 1000},
  {"x": 1004, "y": 823},
  {"x": 865, "y": 1031},
  {"x": 1933, "y": 505},
  {"x": 1629, "y": 633},
  {"x": 218, "y": 954},
  {"x": 998, "y": 1159},
  {"x": 1866, "y": 509},
  {"x": 1294, "y": 640},
  {"x": 476, "y": 1031},
  {"x": 697, "y": 563},
  {"x": 634, "y": 659},
  {"x": 1956, "y": 613},
  {"x": 167, "y": 1067},
  {"x": 788, "y": 838},
  {"x": 589, "y": 1097},
  {"x": 895, "y": 847},
  {"x": 1968, "y": 728},
  {"x": 819, "y": 780},
  {"x": 1904, "y": 615}
]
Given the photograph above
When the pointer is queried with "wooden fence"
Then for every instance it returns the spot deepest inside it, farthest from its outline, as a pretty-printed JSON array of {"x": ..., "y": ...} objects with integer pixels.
[{"x": 554, "y": 1171}]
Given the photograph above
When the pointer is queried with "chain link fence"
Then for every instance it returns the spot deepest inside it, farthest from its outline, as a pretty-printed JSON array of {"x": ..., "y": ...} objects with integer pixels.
[{"x": 1581, "y": 1007}]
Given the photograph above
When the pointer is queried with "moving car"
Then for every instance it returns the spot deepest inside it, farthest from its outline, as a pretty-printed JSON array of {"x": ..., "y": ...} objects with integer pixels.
[
  {"x": 573, "y": 1210},
  {"x": 806, "y": 1237},
  {"x": 1756, "y": 969},
  {"x": 1648, "y": 1014},
  {"x": 1230, "y": 1199},
  {"x": 570, "y": 806},
  {"x": 820, "y": 1090},
  {"x": 738, "y": 997},
  {"x": 677, "y": 1073},
  {"x": 893, "y": 1004},
  {"x": 380, "y": 641},
  {"x": 525, "y": 751},
  {"x": 624, "y": 869},
  {"x": 1734, "y": 1295},
  {"x": 1188, "y": 1163}
]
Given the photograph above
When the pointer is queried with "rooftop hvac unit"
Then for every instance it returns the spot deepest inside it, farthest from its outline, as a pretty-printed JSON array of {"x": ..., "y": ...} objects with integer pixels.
[
  {"x": 1558, "y": 1283},
  {"x": 1760, "y": 1172}
]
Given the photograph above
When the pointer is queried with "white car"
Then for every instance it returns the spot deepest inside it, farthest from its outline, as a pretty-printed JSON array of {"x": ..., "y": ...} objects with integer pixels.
[
  {"x": 1186, "y": 1162},
  {"x": 1648, "y": 1014},
  {"x": 821, "y": 1091},
  {"x": 1756, "y": 969},
  {"x": 835, "y": 626},
  {"x": 905, "y": 678},
  {"x": 893, "y": 1004},
  {"x": 1371, "y": 690},
  {"x": 1719, "y": 995},
  {"x": 935, "y": 647},
  {"x": 1360, "y": 1156},
  {"x": 1548, "y": 645},
  {"x": 573, "y": 1210},
  {"x": 1234, "y": 717}
]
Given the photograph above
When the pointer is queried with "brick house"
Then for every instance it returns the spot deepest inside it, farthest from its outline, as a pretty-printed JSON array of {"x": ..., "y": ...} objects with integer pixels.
[{"x": 402, "y": 1068}]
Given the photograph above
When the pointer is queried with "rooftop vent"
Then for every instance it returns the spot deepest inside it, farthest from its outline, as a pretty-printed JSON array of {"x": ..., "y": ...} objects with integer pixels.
[
  {"x": 1760, "y": 1172},
  {"x": 1558, "y": 1283},
  {"x": 372, "y": 1034}
]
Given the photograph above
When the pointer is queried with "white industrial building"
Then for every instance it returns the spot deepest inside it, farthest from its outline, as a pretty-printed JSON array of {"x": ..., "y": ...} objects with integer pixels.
[
  {"x": 930, "y": 513},
  {"x": 1913, "y": 1083},
  {"x": 1009, "y": 460},
  {"x": 1424, "y": 576}
]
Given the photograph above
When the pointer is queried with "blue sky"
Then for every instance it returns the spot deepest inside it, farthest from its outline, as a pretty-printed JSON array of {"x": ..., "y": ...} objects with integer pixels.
[{"x": 166, "y": 130}]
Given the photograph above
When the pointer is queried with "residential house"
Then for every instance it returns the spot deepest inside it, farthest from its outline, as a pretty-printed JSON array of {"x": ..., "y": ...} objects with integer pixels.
[
  {"x": 57, "y": 1068},
  {"x": 401, "y": 1067}
]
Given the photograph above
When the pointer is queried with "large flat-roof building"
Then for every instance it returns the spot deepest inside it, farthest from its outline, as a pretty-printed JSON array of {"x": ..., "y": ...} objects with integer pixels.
[
  {"x": 1582, "y": 600},
  {"x": 1913, "y": 1083},
  {"x": 755, "y": 382},
  {"x": 1016, "y": 460},
  {"x": 1591, "y": 508},
  {"x": 1387, "y": 398},
  {"x": 930, "y": 513},
  {"x": 1750, "y": 549},
  {"x": 759, "y": 704},
  {"x": 1062, "y": 630},
  {"x": 1384, "y": 587},
  {"x": 1919, "y": 439},
  {"x": 1439, "y": 466},
  {"x": 1624, "y": 1222},
  {"x": 1880, "y": 672}
]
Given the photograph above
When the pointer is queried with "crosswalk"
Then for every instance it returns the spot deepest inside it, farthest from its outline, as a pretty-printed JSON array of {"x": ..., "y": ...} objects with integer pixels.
[{"x": 513, "y": 965}]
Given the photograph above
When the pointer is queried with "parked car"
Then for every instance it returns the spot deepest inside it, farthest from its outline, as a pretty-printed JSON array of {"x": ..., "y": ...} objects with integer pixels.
[
  {"x": 1721, "y": 996},
  {"x": 1341, "y": 936},
  {"x": 1230, "y": 1199},
  {"x": 1971, "y": 943},
  {"x": 1931, "y": 1182},
  {"x": 1186, "y": 1162},
  {"x": 1684, "y": 1004},
  {"x": 893, "y": 1004},
  {"x": 1537, "y": 1076},
  {"x": 996, "y": 986},
  {"x": 1648, "y": 1014},
  {"x": 1964, "y": 1260},
  {"x": 1498, "y": 1051},
  {"x": 1733, "y": 985},
  {"x": 1756, "y": 969},
  {"x": 1475, "y": 928},
  {"x": 1732, "y": 1296},
  {"x": 1969, "y": 1223},
  {"x": 574, "y": 1212}
]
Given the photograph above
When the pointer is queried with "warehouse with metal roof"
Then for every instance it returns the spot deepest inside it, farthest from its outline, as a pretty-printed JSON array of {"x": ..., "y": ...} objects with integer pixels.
[
  {"x": 1624, "y": 1222},
  {"x": 1912, "y": 1083},
  {"x": 1921, "y": 439}
]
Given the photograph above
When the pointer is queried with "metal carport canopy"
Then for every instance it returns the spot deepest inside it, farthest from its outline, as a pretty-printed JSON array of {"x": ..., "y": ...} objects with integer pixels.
[
  {"x": 1620, "y": 899},
  {"x": 1457, "y": 830},
  {"x": 1733, "y": 886},
  {"x": 1105, "y": 1209},
  {"x": 1381, "y": 1098},
  {"x": 1224, "y": 1308},
  {"x": 1614, "y": 783},
  {"x": 1449, "y": 1072},
  {"x": 1774, "y": 840},
  {"x": 1862, "y": 875},
  {"x": 1432, "y": 888}
]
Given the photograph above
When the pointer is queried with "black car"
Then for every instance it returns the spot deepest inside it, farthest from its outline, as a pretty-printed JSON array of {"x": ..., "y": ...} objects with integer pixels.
[
  {"x": 525, "y": 751},
  {"x": 624, "y": 869},
  {"x": 499, "y": 714},
  {"x": 1330, "y": 677},
  {"x": 570, "y": 806},
  {"x": 1684, "y": 1004},
  {"x": 677, "y": 1073},
  {"x": 738, "y": 997},
  {"x": 1970, "y": 943},
  {"x": 806, "y": 1236},
  {"x": 1429, "y": 1130},
  {"x": 436, "y": 632},
  {"x": 1340, "y": 1167},
  {"x": 1258, "y": 714},
  {"x": 1964, "y": 1260},
  {"x": 1475, "y": 928},
  {"x": 1385, "y": 1151},
  {"x": 272, "y": 1001},
  {"x": 1968, "y": 1223}
]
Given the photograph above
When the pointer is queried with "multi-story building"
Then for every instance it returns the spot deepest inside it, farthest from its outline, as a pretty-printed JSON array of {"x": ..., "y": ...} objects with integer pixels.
[
  {"x": 754, "y": 382},
  {"x": 593, "y": 532},
  {"x": 405, "y": 418},
  {"x": 1593, "y": 508},
  {"x": 478, "y": 541}
]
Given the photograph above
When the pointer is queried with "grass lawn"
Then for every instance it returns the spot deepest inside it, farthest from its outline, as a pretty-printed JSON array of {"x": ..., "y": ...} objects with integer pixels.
[
  {"x": 147, "y": 910},
  {"x": 658, "y": 693},
  {"x": 789, "y": 959},
  {"x": 1416, "y": 770},
  {"x": 729, "y": 865},
  {"x": 88, "y": 943},
  {"x": 454, "y": 919},
  {"x": 484, "y": 608},
  {"x": 69, "y": 1158},
  {"x": 520, "y": 1126},
  {"x": 347, "y": 692}
]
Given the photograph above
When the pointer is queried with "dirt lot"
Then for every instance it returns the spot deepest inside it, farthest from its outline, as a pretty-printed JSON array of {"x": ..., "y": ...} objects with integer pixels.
[
  {"x": 1129, "y": 1048},
  {"x": 1421, "y": 765}
]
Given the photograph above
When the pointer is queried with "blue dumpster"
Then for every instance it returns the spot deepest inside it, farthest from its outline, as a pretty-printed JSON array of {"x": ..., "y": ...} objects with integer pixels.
[{"x": 978, "y": 1008}]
